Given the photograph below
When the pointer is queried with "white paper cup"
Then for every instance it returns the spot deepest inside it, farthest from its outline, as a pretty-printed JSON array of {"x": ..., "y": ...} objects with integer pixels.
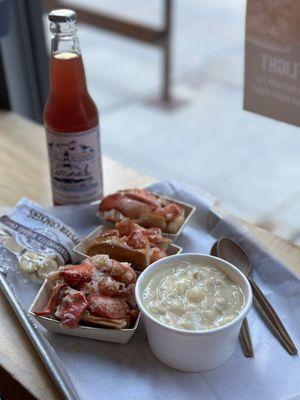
[{"x": 187, "y": 350}]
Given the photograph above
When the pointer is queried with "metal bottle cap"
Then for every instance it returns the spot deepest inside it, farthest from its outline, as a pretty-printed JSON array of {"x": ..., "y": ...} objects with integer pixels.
[{"x": 62, "y": 15}]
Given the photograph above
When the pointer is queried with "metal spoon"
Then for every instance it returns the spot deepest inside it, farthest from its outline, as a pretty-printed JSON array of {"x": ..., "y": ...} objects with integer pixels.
[
  {"x": 229, "y": 250},
  {"x": 245, "y": 335}
]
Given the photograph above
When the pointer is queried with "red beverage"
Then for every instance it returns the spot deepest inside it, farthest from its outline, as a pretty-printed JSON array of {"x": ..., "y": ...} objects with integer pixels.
[
  {"x": 71, "y": 119},
  {"x": 69, "y": 108}
]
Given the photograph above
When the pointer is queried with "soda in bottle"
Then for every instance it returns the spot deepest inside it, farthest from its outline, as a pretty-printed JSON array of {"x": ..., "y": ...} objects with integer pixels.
[{"x": 71, "y": 119}]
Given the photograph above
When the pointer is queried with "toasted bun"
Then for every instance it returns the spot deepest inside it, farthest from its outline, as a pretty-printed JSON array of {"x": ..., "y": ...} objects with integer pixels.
[
  {"x": 151, "y": 221},
  {"x": 139, "y": 259},
  {"x": 104, "y": 322},
  {"x": 144, "y": 208},
  {"x": 174, "y": 225}
]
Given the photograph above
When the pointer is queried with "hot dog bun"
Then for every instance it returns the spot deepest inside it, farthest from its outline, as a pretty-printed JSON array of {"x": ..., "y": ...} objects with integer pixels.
[{"x": 143, "y": 207}]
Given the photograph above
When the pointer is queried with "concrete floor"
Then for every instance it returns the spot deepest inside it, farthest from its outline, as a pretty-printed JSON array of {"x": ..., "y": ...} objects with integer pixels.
[{"x": 250, "y": 162}]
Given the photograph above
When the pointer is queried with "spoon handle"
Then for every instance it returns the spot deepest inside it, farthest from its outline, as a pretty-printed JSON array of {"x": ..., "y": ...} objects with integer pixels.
[
  {"x": 245, "y": 339},
  {"x": 245, "y": 335},
  {"x": 273, "y": 319}
]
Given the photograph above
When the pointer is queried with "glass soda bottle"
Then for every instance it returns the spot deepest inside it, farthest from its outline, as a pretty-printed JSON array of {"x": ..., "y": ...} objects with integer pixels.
[{"x": 71, "y": 119}]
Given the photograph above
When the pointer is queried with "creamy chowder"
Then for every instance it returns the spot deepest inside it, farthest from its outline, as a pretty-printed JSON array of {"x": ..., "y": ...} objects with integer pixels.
[{"x": 192, "y": 296}]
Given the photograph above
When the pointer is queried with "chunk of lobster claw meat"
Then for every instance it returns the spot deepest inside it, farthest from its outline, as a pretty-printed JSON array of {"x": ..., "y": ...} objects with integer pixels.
[
  {"x": 71, "y": 308},
  {"x": 76, "y": 275}
]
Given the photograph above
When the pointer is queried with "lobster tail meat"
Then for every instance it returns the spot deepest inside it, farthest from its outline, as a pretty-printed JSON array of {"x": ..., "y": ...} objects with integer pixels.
[{"x": 108, "y": 307}]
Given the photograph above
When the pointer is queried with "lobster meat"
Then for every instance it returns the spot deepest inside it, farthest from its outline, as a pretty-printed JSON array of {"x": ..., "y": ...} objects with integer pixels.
[
  {"x": 97, "y": 291},
  {"x": 131, "y": 242}
]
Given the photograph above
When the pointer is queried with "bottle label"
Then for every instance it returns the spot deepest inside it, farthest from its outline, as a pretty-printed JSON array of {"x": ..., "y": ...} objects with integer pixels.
[{"x": 75, "y": 166}]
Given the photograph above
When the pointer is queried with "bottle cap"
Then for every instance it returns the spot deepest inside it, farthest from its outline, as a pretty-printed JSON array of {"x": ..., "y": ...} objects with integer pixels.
[{"x": 62, "y": 15}]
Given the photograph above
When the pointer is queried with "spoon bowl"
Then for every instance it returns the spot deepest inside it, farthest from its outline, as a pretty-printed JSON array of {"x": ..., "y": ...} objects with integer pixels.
[{"x": 229, "y": 250}]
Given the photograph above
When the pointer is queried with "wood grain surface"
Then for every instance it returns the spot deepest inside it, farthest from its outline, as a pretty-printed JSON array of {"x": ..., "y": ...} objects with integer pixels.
[
  {"x": 24, "y": 172},
  {"x": 24, "y": 164}
]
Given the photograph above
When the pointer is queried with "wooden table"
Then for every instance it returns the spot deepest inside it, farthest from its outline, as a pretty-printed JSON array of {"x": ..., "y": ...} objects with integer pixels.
[{"x": 24, "y": 172}]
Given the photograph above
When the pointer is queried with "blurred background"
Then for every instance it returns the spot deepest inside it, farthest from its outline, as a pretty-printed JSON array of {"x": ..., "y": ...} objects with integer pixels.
[{"x": 167, "y": 77}]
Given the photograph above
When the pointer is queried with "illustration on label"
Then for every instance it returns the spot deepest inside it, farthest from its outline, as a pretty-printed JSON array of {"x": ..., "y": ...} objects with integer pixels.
[
  {"x": 71, "y": 164},
  {"x": 75, "y": 164}
]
